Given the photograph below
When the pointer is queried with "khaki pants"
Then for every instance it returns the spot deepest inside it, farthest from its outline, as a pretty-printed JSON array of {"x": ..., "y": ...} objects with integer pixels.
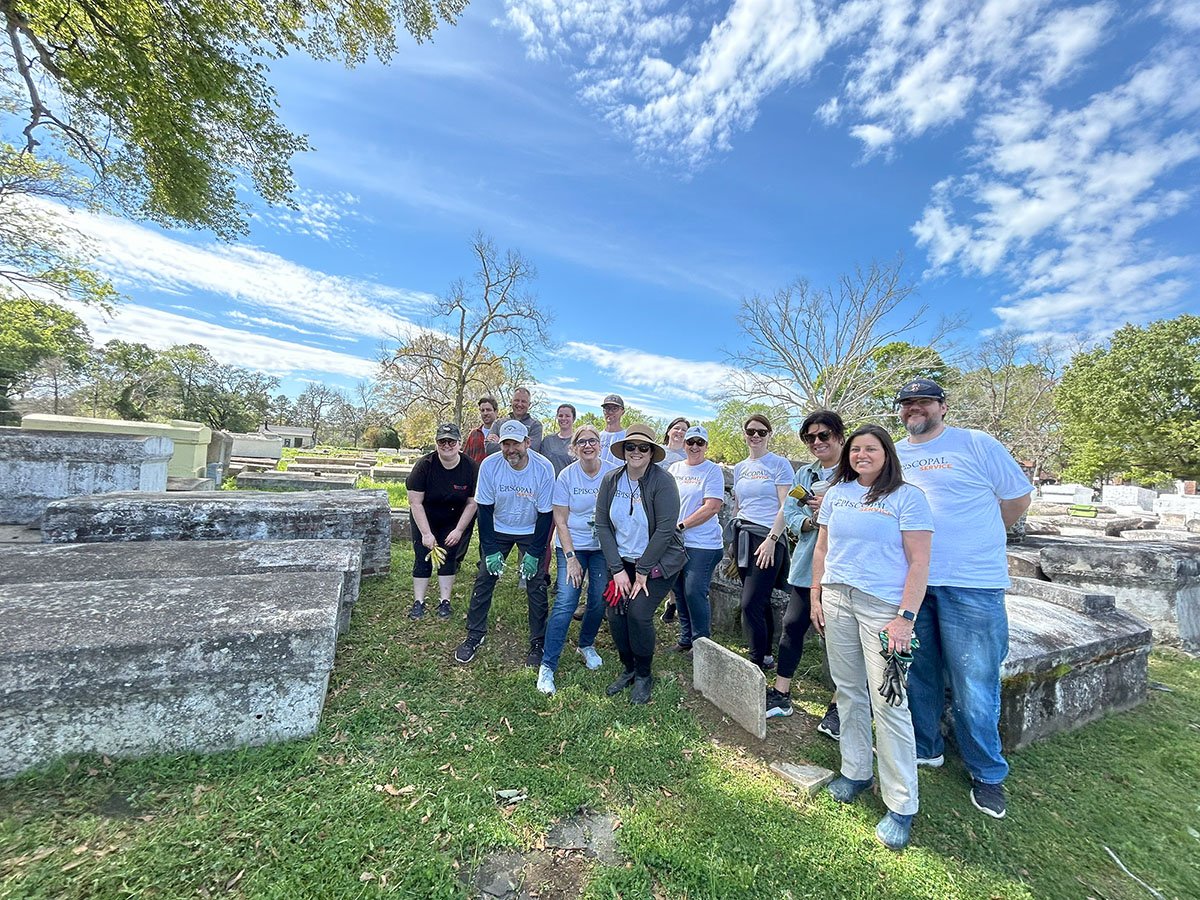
[{"x": 853, "y": 620}]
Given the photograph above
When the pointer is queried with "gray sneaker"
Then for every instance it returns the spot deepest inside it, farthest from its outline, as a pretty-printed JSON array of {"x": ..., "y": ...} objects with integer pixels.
[{"x": 989, "y": 799}]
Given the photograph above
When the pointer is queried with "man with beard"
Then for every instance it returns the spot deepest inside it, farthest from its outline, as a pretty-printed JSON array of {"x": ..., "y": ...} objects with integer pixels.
[
  {"x": 520, "y": 413},
  {"x": 976, "y": 490}
]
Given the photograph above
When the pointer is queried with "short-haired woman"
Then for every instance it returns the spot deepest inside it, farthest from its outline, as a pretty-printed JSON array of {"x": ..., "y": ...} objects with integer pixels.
[
  {"x": 869, "y": 571},
  {"x": 441, "y": 503},
  {"x": 760, "y": 485},
  {"x": 637, "y": 511}
]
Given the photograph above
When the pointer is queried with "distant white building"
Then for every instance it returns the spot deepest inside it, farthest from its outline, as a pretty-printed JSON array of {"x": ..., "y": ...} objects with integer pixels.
[{"x": 291, "y": 435}]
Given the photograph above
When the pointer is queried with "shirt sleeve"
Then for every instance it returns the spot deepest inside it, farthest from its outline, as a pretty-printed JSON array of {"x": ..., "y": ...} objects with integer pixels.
[
  {"x": 473, "y": 474},
  {"x": 826, "y": 509},
  {"x": 1006, "y": 477},
  {"x": 545, "y": 498},
  {"x": 784, "y": 473},
  {"x": 485, "y": 488},
  {"x": 418, "y": 478},
  {"x": 562, "y": 490},
  {"x": 714, "y": 484},
  {"x": 915, "y": 513}
]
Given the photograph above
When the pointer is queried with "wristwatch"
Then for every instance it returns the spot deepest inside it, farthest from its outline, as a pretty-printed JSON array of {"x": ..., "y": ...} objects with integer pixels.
[
  {"x": 680, "y": 526},
  {"x": 908, "y": 614},
  {"x": 570, "y": 554}
]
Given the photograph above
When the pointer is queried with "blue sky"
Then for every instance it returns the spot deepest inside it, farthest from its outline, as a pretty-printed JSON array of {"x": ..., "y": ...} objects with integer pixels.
[{"x": 1035, "y": 163}]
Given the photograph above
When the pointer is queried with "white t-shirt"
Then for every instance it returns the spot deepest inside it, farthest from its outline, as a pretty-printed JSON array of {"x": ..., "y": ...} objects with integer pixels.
[
  {"x": 697, "y": 484},
  {"x": 756, "y": 486},
  {"x": 518, "y": 497},
  {"x": 628, "y": 517},
  {"x": 965, "y": 474},
  {"x": 575, "y": 490},
  {"x": 607, "y": 439},
  {"x": 865, "y": 547}
]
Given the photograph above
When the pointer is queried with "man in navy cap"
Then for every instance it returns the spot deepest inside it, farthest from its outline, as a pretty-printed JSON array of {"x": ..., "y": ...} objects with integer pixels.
[
  {"x": 976, "y": 490},
  {"x": 514, "y": 494}
]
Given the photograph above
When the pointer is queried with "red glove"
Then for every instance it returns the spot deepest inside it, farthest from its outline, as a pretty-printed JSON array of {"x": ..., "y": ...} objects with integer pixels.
[{"x": 611, "y": 594}]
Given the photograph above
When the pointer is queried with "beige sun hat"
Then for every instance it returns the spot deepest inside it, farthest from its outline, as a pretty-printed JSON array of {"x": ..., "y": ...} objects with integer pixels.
[{"x": 640, "y": 433}]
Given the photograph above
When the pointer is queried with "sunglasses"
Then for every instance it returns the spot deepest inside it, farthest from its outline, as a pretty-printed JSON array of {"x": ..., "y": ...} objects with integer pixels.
[
  {"x": 638, "y": 448},
  {"x": 695, "y": 442},
  {"x": 756, "y": 432},
  {"x": 586, "y": 442},
  {"x": 446, "y": 442},
  {"x": 822, "y": 436}
]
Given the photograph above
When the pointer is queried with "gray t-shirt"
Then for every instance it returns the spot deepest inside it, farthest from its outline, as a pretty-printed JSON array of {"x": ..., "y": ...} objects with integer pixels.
[
  {"x": 535, "y": 433},
  {"x": 558, "y": 451}
]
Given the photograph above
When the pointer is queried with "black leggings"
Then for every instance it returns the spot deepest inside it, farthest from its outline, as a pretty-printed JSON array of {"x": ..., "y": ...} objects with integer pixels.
[
  {"x": 758, "y": 619},
  {"x": 795, "y": 626},
  {"x": 633, "y": 630}
]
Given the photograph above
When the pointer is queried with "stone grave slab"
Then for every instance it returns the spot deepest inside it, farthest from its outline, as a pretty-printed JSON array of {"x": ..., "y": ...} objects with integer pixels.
[
  {"x": 164, "y": 665},
  {"x": 254, "y": 445},
  {"x": 189, "y": 439},
  {"x": 391, "y": 473},
  {"x": 39, "y": 466},
  {"x": 732, "y": 683},
  {"x": 216, "y": 459},
  {"x": 1128, "y": 496},
  {"x": 1160, "y": 534},
  {"x": 190, "y": 484},
  {"x": 328, "y": 468},
  {"x": 1073, "y": 657},
  {"x": 227, "y": 515},
  {"x": 295, "y": 481},
  {"x": 809, "y": 779},
  {"x": 34, "y": 563},
  {"x": 1154, "y": 580},
  {"x": 402, "y": 526}
]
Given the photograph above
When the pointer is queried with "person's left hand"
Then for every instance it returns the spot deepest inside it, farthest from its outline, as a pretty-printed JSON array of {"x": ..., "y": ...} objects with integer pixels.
[
  {"x": 454, "y": 537},
  {"x": 529, "y": 565},
  {"x": 899, "y": 632},
  {"x": 764, "y": 556},
  {"x": 639, "y": 586}
]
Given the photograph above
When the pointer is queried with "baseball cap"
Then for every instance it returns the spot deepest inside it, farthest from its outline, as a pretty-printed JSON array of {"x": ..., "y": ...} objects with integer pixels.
[
  {"x": 920, "y": 387},
  {"x": 697, "y": 431},
  {"x": 448, "y": 430},
  {"x": 512, "y": 430},
  {"x": 613, "y": 400}
]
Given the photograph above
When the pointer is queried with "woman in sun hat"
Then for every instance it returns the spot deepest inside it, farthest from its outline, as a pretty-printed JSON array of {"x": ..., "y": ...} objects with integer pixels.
[{"x": 637, "y": 511}]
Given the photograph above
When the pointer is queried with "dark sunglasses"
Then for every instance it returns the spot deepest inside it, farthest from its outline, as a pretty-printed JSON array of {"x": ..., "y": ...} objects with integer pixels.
[
  {"x": 695, "y": 442},
  {"x": 640, "y": 448},
  {"x": 822, "y": 436},
  {"x": 756, "y": 432},
  {"x": 445, "y": 442}
]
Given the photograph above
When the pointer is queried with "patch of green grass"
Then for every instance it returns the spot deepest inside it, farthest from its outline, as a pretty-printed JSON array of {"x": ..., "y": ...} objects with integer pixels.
[
  {"x": 396, "y": 491},
  {"x": 394, "y": 795}
]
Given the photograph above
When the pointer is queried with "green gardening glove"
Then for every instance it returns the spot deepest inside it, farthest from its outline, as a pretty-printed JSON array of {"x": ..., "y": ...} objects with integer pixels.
[
  {"x": 495, "y": 564},
  {"x": 529, "y": 565}
]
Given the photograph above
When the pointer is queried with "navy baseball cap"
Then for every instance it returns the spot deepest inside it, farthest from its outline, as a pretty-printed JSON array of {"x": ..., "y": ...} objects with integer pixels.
[{"x": 920, "y": 387}]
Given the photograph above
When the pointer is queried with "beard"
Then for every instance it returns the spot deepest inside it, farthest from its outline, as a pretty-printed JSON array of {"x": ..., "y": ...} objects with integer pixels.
[{"x": 925, "y": 426}]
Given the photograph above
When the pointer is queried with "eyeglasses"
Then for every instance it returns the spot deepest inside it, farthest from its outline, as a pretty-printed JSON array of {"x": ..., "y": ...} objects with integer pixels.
[
  {"x": 695, "y": 442},
  {"x": 447, "y": 442},
  {"x": 756, "y": 432},
  {"x": 638, "y": 448},
  {"x": 918, "y": 401},
  {"x": 822, "y": 436},
  {"x": 586, "y": 442}
]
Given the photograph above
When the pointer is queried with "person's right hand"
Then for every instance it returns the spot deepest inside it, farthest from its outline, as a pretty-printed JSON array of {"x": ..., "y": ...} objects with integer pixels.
[
  {"x": 574, "y": 572},
  {"x": 813, "y": 502},
  {"x": 817, "y": 614},
  {"x": 621, "y": 580},
  {"x": 495, "y": 564},
  {"x": 492, "y": 438},
  {"x": 428, "y": 541}
]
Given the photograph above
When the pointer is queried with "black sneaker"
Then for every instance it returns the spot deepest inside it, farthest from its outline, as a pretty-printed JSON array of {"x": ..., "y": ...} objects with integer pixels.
[
  {"x": 534, "y": 657},
  {"x": 778, "y": 703},
  {"x": 444, "y": 609},
  {"x": 467, "y": 649},
  {"x": 831, "y": 724},
  {"x": 669, "y": 612},
  {"x": 417, "y": 611},
  {"x": 989, "y": 799}
]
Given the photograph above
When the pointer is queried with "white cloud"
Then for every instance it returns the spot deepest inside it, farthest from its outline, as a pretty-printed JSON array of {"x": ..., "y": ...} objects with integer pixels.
[
  {"x": 695, "y": 381},
  {"x": 316, "y": 215},
  {"x": 159, "y": 329}
]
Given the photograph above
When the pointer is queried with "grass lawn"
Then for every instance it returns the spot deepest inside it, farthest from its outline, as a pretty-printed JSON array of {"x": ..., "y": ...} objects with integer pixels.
[{"x": 395, "y": 795}]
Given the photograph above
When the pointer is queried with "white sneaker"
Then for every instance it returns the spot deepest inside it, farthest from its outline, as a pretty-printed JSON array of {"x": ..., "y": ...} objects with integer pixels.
[
  {"x": 591, "y": 658},
  {"x": 932, "y": 762},
  {"x": 545, "y": 681}
]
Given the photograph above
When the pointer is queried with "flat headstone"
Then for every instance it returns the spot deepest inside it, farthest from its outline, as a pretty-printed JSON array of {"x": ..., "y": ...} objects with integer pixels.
[
  {"x": 140, "y": 666},
  {"x": 227, "y": 515},
  {"x": 177, "y": 483},
  {"x": 295, "y": 481},
  {"x": 732, "y": 683},
  {"x": 390, "y": 473},
  {"x": 328, "y": 468},
  {"x": 33, "y": 563},
  {"x": 809, "y": 779}
]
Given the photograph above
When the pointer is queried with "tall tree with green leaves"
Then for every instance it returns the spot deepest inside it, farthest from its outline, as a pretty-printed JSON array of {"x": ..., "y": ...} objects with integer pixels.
[
  {"x": 167, "y": 102},
  {"x": 1133, "y": 408},
  {"x": 30, "y": 334}
]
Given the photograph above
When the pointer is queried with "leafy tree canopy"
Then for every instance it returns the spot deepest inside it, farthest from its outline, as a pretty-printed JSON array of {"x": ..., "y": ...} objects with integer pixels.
[
  {"x": 31, "y": 333},
  {"x": 167, "y": 101},
  {"x": 1133, "y": 408}
]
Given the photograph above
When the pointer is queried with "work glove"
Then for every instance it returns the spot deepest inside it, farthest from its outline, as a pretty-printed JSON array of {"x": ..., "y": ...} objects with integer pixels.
[
  {"x": 437, "y": 555},
  {"x": 529, "y": 565},
  {"x": 895, "y": 671},
  {"x": 495, "y": 564},
  {"x": 612, "y": 596}
]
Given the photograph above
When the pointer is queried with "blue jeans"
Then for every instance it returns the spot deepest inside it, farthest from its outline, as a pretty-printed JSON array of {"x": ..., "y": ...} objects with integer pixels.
[
  {"x": 691, "y": 594},
  {"x": 566, "y": 598},
  {"x": 964, "y": 639}
]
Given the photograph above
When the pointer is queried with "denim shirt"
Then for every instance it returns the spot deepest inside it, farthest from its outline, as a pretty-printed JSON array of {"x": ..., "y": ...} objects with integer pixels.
[{"x": 795, "y": 514}]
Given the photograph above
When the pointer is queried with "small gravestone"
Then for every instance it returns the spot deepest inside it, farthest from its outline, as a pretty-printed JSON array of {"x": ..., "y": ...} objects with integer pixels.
[
  {"x": 809, "y": 779},
  {"x": 295, "y": 481},
  {"x": 732, "y": 683}
]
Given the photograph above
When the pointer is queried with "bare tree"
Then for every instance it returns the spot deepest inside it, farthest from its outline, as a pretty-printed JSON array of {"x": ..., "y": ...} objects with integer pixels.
[
  {"x": 814, "y": 348},
  {"x": 479, "y": 332}
]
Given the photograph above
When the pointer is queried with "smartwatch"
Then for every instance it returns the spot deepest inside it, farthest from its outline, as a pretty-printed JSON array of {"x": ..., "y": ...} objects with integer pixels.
[
  {"x": 908, "y": 614},
  {"x": 570, "y": 554}
]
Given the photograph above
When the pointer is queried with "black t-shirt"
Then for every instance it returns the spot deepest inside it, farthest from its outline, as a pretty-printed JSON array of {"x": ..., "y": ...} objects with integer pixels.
[{"x": 446, "y": 490}]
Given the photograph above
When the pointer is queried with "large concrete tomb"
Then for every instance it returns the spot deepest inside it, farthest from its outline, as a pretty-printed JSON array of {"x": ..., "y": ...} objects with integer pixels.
[
  {"x": 44, "y": 563},
  {"x": 1072, "y": 658},
  {"x": 227, "y": 515},
  {"x": 135, "y": 667},
  {"x": 37, "y": 467},
  {"x": 294, "y": 481}
]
